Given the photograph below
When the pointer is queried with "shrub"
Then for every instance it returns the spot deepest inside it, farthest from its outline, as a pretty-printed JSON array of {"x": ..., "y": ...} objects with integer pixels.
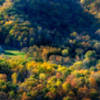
[
  {"x": 65, "y": 52},
  {"x": 90, "y": 54}
]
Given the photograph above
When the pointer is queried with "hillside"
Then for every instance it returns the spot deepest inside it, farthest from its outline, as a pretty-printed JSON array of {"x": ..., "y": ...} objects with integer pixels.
[
  {"x": 25, "y": 23},
  {"x": 49, "y": 49}
]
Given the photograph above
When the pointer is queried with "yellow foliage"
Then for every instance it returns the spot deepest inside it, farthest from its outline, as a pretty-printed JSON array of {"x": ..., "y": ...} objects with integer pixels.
[
  {"x": 82, "y": 1},
  {"x": 58, "y": 83},
  {"x": 52, "y": 90},
  {"x": 61, "y": 68},
  {"x": 51, "y": 82},
  {"x": 9, "y": 22},
  {"x": 66, "y": 86},
  {"x": 28, "y": 83},
  {"x": 42, "y": 76},
  {"x": 30, "y": 65},
  {"x": 14, "y": 78},
  {"x": 6, "y": 5},
  {"x": 77, "y": 65},
  {"x": 33, "y": 93},
  {"x": 81, "y": 72}
]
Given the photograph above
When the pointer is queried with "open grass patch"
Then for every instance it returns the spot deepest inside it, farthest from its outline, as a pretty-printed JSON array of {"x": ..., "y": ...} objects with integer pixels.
[{"x": 11, "y": 53}]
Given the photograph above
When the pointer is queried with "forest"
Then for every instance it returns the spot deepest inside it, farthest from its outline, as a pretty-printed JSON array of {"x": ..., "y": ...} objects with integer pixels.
[{"x": 49, "y": 49}]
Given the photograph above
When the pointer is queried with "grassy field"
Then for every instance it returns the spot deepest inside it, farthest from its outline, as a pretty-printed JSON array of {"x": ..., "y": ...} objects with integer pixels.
[{"x": 11, "y": 53}]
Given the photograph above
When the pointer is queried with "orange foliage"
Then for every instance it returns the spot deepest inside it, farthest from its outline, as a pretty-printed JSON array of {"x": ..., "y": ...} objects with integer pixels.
[
  {"x": 92, "y": 82},
  {"x": 3, "y": 77},
  {"x": 25, "y": 97}
]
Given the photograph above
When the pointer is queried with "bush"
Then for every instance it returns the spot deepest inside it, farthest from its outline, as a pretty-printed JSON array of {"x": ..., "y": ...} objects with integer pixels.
[
  {"x": 90, "y": 54},
  {"x": 65, "y": 52}
]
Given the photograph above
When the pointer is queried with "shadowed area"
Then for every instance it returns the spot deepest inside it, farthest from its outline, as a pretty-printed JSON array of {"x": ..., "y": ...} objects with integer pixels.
[{"x": 45, "y": 22}]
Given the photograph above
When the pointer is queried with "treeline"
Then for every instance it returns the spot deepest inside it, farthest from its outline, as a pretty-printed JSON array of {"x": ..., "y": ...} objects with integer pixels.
[
  {"x": 76, "y": 48},
  {"x": 24, "y": 23}
]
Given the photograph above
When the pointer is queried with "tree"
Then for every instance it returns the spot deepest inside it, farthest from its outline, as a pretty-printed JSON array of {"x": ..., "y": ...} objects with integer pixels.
[
  {"x": 90, "y": 54},
  {"x": 14, "y": 78},
  {"x": 97, "y": 47},
  {"x": 65, "y": 52}
]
